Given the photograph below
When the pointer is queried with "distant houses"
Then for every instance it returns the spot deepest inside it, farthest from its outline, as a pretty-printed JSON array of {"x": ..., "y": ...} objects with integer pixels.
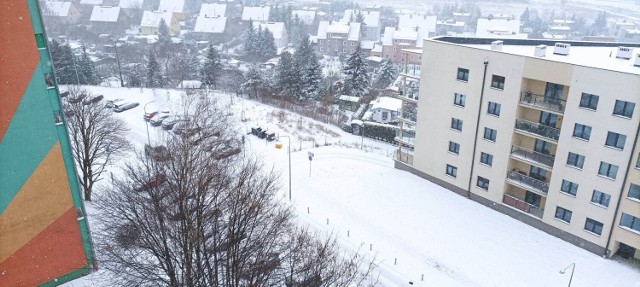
[
  {"x": 335, "y": 38},
  {"x": 256, "y": 14},
  {"x": 105, "y": 18},
  {"x": 508, "y": 28},
  {"x": 151, "y": 22},
  {"x": 64, "y": 12},
  {"x": 211, "y": 19}
]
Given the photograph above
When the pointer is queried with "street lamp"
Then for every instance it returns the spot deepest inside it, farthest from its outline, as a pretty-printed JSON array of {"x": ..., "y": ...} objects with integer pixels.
[
  {"x": 573, "y": 267},
  {"x": 146, "y": 122},
  {"x": 289, "y": 152}
]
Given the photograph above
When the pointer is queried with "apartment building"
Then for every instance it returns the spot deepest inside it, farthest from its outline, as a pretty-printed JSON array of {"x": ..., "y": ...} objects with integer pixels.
[
  {"x": 335, "y": 38},
  {"x": 544, "y": 132}
]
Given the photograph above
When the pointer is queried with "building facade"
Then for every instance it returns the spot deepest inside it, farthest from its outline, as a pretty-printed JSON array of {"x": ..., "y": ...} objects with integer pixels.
[
  {"x": 540, "y": 131},
  {"x": 335, "y": 38}
]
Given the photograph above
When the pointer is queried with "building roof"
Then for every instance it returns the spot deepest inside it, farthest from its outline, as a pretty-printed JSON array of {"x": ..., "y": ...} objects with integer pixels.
[
  {"x": 338, "y": 28},
  {"x": 322, "y": 29},
  {"x": 354, "y": 32},
  {"x": 560, "y": 28},
  {"x": 307, "y": 16},
  {"x": 105, "y": 14},
  {"x": 56, "y": 8},
  {"x": 418, "y": 20},
  {"x": 563, "y": 21},
  {"x": 276, "y": 28},
  {"x": 91, "y": 2},
  {"x": 371, "y": 18},
  {"x": 492, "y": 28},
  {"x": 210, "y": 24},
  {"x": 346, "y": 98},
  {"x": 213, "y": 10},
  {"x": 256, "y": 13},
  {"x": 128, "y": 4},
  {"x": 152, "y": 18},
  {"x": 176, "y": 6},
  {"x": 387, "y": 103},
  {"x": 451, "y": 23}
]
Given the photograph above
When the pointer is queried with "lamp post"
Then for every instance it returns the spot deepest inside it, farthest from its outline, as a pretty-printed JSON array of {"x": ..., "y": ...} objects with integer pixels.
[
  {"x": 146, "y": 122},
  {"x": 289, "y": 153},
  {"x": 573, "y": 267}
]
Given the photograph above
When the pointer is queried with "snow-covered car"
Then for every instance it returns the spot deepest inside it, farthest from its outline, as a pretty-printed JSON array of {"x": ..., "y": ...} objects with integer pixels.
[
  {"x": 169, "y": 122},
  {"x": 158, "y": 119},
  {"x": 92, "y": 99},
  {"x": 111, "y": 103},
  {"x": 125, "y": 106}
]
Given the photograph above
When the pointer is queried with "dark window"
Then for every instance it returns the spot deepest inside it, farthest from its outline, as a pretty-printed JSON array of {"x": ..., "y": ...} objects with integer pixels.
[
  {"x": 548, "y": 119},
  {"x": 563, "y": 214},
  {"x": 608, "y": 170},
  {"x": 593, "y": 226},
  {"x": 576, "y": 160},
  {"x": 569, "y": 187},
  {"x": 615, "y": 140},
  {"x": 482, "y": 183},
  {"x": 454, "y": 147},
  {"x": 486, "y": 158},
  {"x": 458, "y": 99},
  {"x": 600, "y": 198},
  {"x": 456, "y": 124},
  {"x": 490, "y": 134},
  {"x": 542, "y": 147},
  {"x": 623, "y": 108},
  {"x": 582, "y": 131},
  {"x": 630, "y": 221},
  {"x": 497, "y": 82},
  {"x": 538, "y": 173},
  {"x": 532, "y": 198},
  {"x": 494, "y": 109},
  {"x": 553, "y": 93},
  {"x": 452, "y": 170},
  {"x": 463, "y": 74},
  {"x": 634, "y": 191},
  {"x": 589, "y": 101}
]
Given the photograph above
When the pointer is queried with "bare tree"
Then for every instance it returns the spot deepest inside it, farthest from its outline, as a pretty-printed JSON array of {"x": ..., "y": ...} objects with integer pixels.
[
  {"x": 97, "y": 136},
  {"x": 195, "y": 219}
]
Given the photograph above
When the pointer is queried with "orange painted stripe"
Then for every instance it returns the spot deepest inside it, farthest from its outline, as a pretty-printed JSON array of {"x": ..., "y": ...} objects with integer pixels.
[
  {"x": 19, "y": 58},
  {"x": 44, "y": 198},
  {"x": 55, "y": 252}
]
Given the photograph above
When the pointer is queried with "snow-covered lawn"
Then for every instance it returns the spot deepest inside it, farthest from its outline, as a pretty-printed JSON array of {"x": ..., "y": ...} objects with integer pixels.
[{"x": 411, "y": 225}]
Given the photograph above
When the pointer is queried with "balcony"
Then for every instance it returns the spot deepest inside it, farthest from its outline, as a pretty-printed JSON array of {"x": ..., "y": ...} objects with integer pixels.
[
  {"x": 407, "y": 137},
  {"x": 542, "y": 103},
  {"x": 529, "y": 183},
  {"x": 523, "y": 206},
  {"x": 532, "y": 157},
  {"x": 411, "y": 117},
  {"x": 540, "y": 130}
]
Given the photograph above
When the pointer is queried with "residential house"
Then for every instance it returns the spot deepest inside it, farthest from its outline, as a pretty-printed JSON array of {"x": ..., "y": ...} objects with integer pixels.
[
  {"x": 256, "y": 14},
  {"x": 385, "y": 110},
  {"x": 499, "y": 28},
  {"x": 131, "y": 4},
  {"x": 178, "y": 7},
  {"x": 62, "y": 12},
  {"x": 395, "y": 40},
  {"x": 371, "y": 27},
  {"x": 629, "y": 35},
  {"x": 618, "y": 26},
  {"x": 450, "y": 27},
  {"x": 278, "y": 30},
  {"x": 335, "y": 38},
  {"x": 419, "y": 21},
  {"x": 212, "y": 19},
  {"x": 308, "y": 17},
  {"x": 151, "y": 22},
  {"x": 105, "y": 19},
  {"x": 349, "y": 103}
]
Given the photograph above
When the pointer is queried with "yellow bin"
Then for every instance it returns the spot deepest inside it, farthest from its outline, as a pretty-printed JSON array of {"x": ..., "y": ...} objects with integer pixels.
[{"x": 278, "y": 145}]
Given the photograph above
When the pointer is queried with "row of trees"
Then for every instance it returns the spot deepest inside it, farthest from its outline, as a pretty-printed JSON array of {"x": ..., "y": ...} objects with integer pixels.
[
  {"x": 71, "y": 68},
  {"x": 300, "y": 75},
  {"x": 294, "y": 25}
]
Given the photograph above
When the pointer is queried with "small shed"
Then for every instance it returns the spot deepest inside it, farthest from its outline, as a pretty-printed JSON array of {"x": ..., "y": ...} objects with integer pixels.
[
  {"x": 349, "y": 103},
  {"x": 385, "y": 110}
]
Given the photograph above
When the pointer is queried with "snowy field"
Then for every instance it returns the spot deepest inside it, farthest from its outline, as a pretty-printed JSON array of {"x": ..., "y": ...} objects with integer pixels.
[{"x": 418, "y": 231}]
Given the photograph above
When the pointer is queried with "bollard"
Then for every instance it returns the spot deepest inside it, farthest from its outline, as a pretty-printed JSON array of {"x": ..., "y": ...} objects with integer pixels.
[
  {"x": 395, "y": 261},
  {"x": 347, "y": 233},
  {"x": 370, "y": 246},
  {"x": 422, "y": 277},
  {"x": 327, "y": 221},
  {"x": 307, "y": 210}
]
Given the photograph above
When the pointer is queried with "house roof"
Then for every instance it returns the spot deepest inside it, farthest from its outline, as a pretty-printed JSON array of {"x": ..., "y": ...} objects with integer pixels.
[
  {"x": 367, "y": 45},
  {"x": 256, "y": 13},
  {"x": 210, "y": 24},
  {"x": 371, "y": 18},
  {"x": 307, "y": 16},
  {"x": 152, "y": 19},
  {"x": 105, "y": 14},
  {"x": 418, "y": 20},
  {"x": 276, "y": 28},
  {"x": 491, "y": 28},
  {"x": 91, "y": 2},
  {"x": 338, "y": 28},
  {"x": 387, "y": 103},
  {"x": 213, "y": 10},
  {"x": 354, "y": 32},
  {"x": 128, "y": 4},
  {"x": 176, "y": 6},
  {"x": 349, "y": 98},
  {"x": 56, "y": 8},
  {"x": 322, "y": 29}
]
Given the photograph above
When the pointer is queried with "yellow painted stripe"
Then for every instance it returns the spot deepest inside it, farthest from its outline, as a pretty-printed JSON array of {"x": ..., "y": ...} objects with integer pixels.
[{"x": 44, "y": 198}]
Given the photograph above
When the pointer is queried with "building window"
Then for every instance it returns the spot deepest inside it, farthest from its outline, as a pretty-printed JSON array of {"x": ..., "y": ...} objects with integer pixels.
[
  {"x": 589, "y": 101},
  {"x": 634, "y": 191},
  {"x": 593, "y": 226},
  {"x": 458, "y": 99},
  {"x": 482, "y": 183},
  {"x": 456, "y": 124},
  {"x": 600, "y": 198},
  {"x": 490, "y": 134},
  {"x": 463, "y": 74},
  {"x": 497, "y": 82},
  {"x": 582, "y": 131},
  {"x": 608, "y": 170},
  {"x": 493, "y": 109},
  {"x": 630, "y": 221},
  {"x": 575, "y": 160},
  {"x": 454, "y": 147},
  {"x": 452, "y": 170},
  {"x": 344, "y": 43},
  {"x": 569, "y": 187},
  {"x": 486, "y": 158},
  {"x": 615, "y": 140},
  {"x": 563, "y": 214},
  {"x": 624, "y": 109}
]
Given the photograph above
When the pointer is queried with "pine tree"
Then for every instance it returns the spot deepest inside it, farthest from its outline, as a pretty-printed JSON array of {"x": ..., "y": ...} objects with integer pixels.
[
  {"x": 64, "y": 62},
  {"x": 268, "y": 45},
  {"x": 359, "y": 17},
  {"x": 164, "y": 36},
  {"x": 310, "y": 71},
  {"x": 288, "y": 76},
  {"x": 211, "y": 68},
  {"x": 154, "y": 72},
  {"x": 386, "y": 74},
  {"x": 253, "y": 81},
  {"x": 250, "y": 41},
  {"x": 297, "y": 31},
  {"x": 356, "y": 82},
  {"x": 86, "y": 69}
]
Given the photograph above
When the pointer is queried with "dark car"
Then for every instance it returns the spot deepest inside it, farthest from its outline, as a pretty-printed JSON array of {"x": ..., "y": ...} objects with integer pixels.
[
  {"x": 153, "y": 182},
  {"x": 76, "y": 98},
  {"x": 158, "y": 153},
  {"x": 92, "y": 99},
  {"x": 125, "y": 106},
  {"x": 158, "y": 119},
  {"x": 169, "y": 122}
]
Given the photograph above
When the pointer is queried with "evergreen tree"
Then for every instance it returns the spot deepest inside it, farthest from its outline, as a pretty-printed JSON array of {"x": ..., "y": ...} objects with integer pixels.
[
  {"x": 386, "y": 74},
  {"x": 64, "y": 63},
  {"x": 412, "y": 89},
  {"x": 359, "y": 17},
  {"x": 250, "y": 42},
  {"x": 253, "y": 81},
  {"x": 288, "y": 76},
  {"x": 164, "y": 36},
  {"x": 154, "y": 72},
  {"x": 313, "y": 81},
  {"x": 356, "y": 82},
  {"x": 86, "y": 69},
  {"x": 297, "y": 31},
  {"x": 525, "y": 18},
  {"x": 268, "y": 45},
  {"x": 211, "y": 68}
]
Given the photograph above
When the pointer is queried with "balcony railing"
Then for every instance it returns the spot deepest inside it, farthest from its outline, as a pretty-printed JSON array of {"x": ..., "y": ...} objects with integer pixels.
[
  {"x": 532, "y": 156},
  {"x": 542, "y": 102},
  {"x": 523, "y": 206},
  {"x": 538, "y": 129},
  {"x": 410, "y": 116},
  {"x": 528, "y": 182},
  {"x": 407, "y": 136},
  {"x": 404, "y": 156}
]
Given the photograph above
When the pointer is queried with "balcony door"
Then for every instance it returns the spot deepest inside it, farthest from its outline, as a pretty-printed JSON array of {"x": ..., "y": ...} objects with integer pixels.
[
  {"x": 553, "y": 93},
  {"x": 532, "y": 198},
  {"x": 542, "y": 147},
  {"x": 548, "y": 119},
  {"x": 538, "y": 173}
]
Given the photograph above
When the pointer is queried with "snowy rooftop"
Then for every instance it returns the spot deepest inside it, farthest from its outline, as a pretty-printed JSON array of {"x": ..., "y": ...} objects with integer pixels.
[
  {"x": 276, "y": 28},
  {"x": 105, "y": 14},
  {"x": 91, "y": 2},
  {"x": 349, "y": 98},
  {"x": 152, "y": 19},
  {"x": 210, "y": 24},
  {"x": 387, "y": 37},
  {"x": 489, "y": 28},
  {"x": 371, "y": 18},
  {"x": 560, "y": 28},
  {"x": 322, "y": 30},
  {"x": 418, "y": 20},
  {"x": 256, "y": 13},
  {"x": 213, "y": 10},
  {"x": 390, "y": 34},
  {"x": 563, "y": 21},
  {"x": 176, "y": 6},
  {"x": 354, "y": 32},
  {"x": 387, "y": 103},
  {"x": 307, "y": 16},
  {"x": 338, "y": 28},
  {"x": 55, "y": 8},
  {"x": 451, "y": 23},
  {"x": 128, "y": 4},
  {"x": 367, "y": 44}
]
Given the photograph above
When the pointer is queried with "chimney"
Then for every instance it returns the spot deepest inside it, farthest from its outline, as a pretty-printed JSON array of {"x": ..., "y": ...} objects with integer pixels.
[
  {"x": 637, "y": 63},
  {"x": 541, "y": 51},
  {"x": 562, "y": 49},
  {"x": 496, "y": 45},
  {"x": 624, "y": 53}
]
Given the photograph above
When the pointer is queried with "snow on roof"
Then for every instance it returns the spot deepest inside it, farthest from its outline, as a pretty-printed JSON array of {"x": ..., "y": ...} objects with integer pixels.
[
  {"x": 371, "y": 18},
  {"x": 405, "y": 34},
  {"x": 387, "y": 103},
  {"x": 105, "y": 14},
  {"x": 210, "y": 24},
  {"x": 560, "y": 28},
  {"x": 451, "y": 23},
  {"x": 490, "y": 28},
  {"x": 387, "y": 37},
  {"x": 152, "y": 19},
  {"x": 632, "y": 31},
  {"x": 256, "y": 13},
  {"x": 91, "y": 2},
  {"x": 349, "y": 98},
  {"x": 354, "y": 32},
  {"x": 338, "y": 28},
  {"x": 418, "y": 20},
  {"x": 176, "y": 6},
  {"x": 367, "y": 44},
  {"x": 322, "y": 29},
  {"x": 563, "y": 21},
  {"x": 374, "y": 59},
  {"x": 213, "y": 10},
  {"x": 377, "y": 48},
  {"x": 276, "y": 28},
  {"x": 190, "y": 84},
  {"x": 307, "y": 16},
  {"x": 128, "y": 4},
  {"x": 55, "y": 8}
]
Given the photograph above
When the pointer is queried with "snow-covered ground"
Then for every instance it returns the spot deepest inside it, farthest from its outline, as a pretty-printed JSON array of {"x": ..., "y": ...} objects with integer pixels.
[{"x": 415, "y": 228}]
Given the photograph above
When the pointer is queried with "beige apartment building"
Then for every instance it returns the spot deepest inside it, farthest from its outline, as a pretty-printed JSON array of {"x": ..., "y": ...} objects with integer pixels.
[{"x": 544, "y": 132}]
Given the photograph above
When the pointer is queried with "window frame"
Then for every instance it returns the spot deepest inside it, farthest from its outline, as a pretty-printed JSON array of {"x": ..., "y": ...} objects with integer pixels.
[
  {"x": 594, "y": 228},
  {"x": 590, "y": 103},
  {"x": 493, "y": 108},
  {"x": 486, "y": 158},
  {"x": 497, "y": 82},
  {"x": 459, "y": 100},
  {"x": 572, "y": 187},
  {"x": 625, "y": 106},
  {"x": 462, "y": 74},
  {"x": 456, "y": 124},
  {"x": 582, "y": 131},
  {"x": 636, "y": 192},
  {"x": 493, "y": 134},
  {"x": 451, "y": 171},
  {"x": 456, "y": 147},
  {"x": 564, "y": 212},
  {"x": 609, "y": 167},
  {"x": 577, "y": 163},
  {"x": 617, "y": 140},
  {"x": 600, "y": 198},
  {"x": 634, "y": 221},
  {"x": 482, "y": 183}
]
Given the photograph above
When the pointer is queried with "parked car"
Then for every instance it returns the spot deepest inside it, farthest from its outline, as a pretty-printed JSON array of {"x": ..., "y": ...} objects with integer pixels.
[
  {"x": 64, "y": 94},
  {"x": 158, "y": 119},
  {"x": 169, "y": 122},
  {"x": 111, "y": 103},
  {"x": 186, "y": 128},
  {"x": 76, "y": 98},
  {"x": 148, "y": 115},
  {"x": 225, "y": 152},
  {"x": 158, "y": 153},
  {"x": 125, "y": 106},
  {"x": 92, "y": 99},
  {"x": 153, "y": 182}
]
